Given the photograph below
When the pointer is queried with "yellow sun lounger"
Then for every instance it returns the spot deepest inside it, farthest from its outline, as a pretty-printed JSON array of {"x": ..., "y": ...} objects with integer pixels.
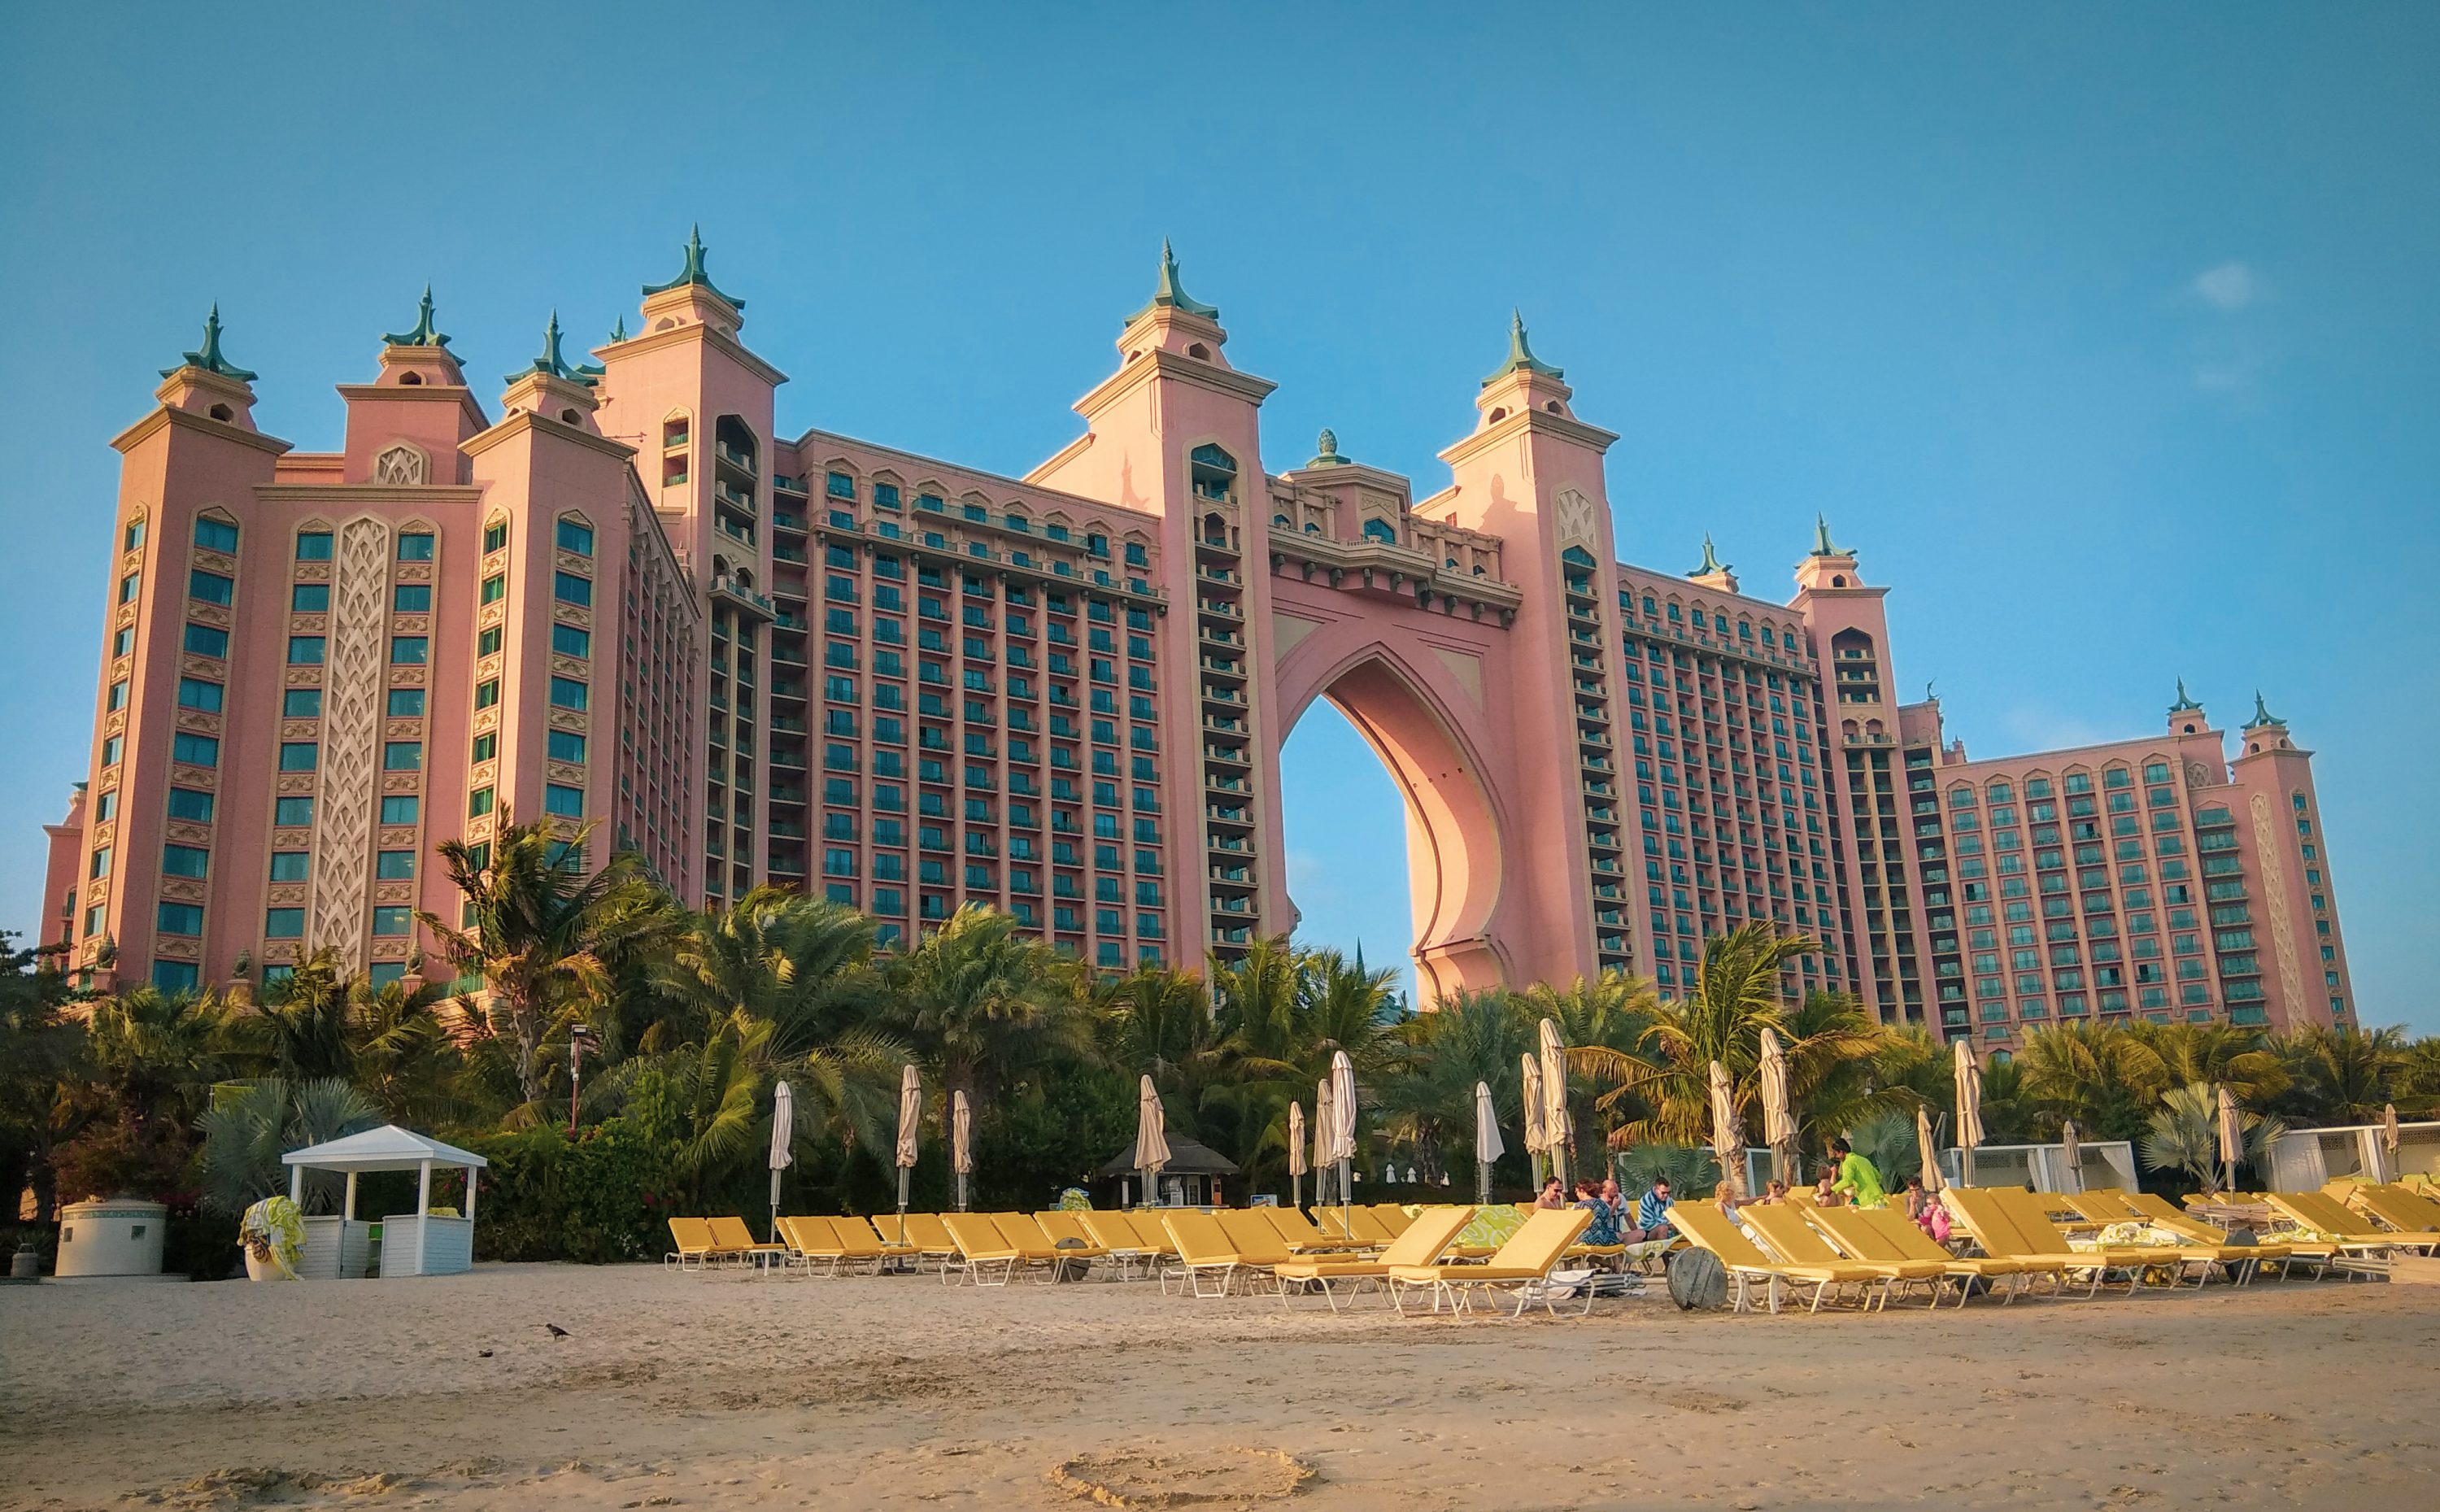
[
  {"x": 2354, "y": 1233},
  {"x": 1706, "y": 1228},
  {"x": 1252, "y": 1235},
  {"x": 733, "y": 1236},
  {"x": 1522, "y": 1265},
  {"x": 1302, "y": 1236},
  {"x": 1209, "y": 1263},
  {"x": 1871, "y": 1235},
  {"x": 985, "y": 1256},
  {"x": 1425, "y": 1240},
  {"x": 2241, "y": 1261},
  {"x": 2028, "y": 1215},
  {"x": 1795, "y": 1240},
  {"x": 2410, "y": 1213},
  {"x": 1118, "y": 1235},
  {"x": 696, "y": 1249},
  {"x": 919, "y": 1235}
]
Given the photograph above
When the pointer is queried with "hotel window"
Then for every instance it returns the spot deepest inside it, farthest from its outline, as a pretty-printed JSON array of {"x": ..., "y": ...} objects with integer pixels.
[
  {"x": 577, "y": 537},
  {"x": 495, "y": 587},
  {"x": 180, "y": 918},
  {"x": 406, "y": 703},
  {"x": 306, "y": 650},
  {"x": 414, "y": 545},
  {"x": 187, "y": 803},
  {"x": 395, "y": 865},
  {"x": 309, "y": 598},
  {"x": 185, "y": 860},
  {"x": 133, "y": 537},
  {"x": 393, "y": 920},
  {"x": 487, "y": 643},
  {"x": 486, "y": 693},
  {"x": 570, "y": 589},
  {"x": 211, "y": 587},
  {"x": 411, "y": 598},
  {"x": 409, "y": 651},
  {"x": 568, "y": 640},
  {"x": 302, "y": 703},
  {"x": 479, "y": 802},
  {"x": 176, "y": 975},
  {"x": 313, "y": 546},
  {"x": 400, "y": 808},
  {"x": 566, "y": 692},
  {"x": 560, "y": 798},
  {"x": 495, "y": 536},
  {"x": 402, "y": 756},
  {"x": 486, "y": 747},
  {"x": 190, "y": 750},
  {"x": 567, "y": 746},
  {"x": 290, "y": 866},
  {"x": 212, "y": 535},
  {"x": 283, "y": 924},
  {"x": 100, "y": 867},
  {"x": 193, "y": 693},
  {"x": 123, "y": 641},
  {"x": 206, "y": 641},
  {"x": 297, "y": 755},
  {"x": 292, "y": 813}
]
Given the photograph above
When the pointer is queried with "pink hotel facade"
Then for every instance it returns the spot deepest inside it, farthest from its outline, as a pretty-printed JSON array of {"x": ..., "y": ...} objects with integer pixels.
[{"x": 828, "y": 664}]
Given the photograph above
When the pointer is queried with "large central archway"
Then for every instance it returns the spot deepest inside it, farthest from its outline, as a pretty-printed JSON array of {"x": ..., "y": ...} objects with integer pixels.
[{"x": 1414, "y": 704}]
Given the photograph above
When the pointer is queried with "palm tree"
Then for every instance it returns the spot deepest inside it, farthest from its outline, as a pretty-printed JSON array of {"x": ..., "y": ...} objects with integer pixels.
[
  {"x": 546, "y": 938},
  {"x": 1426, "y": 1102},
  {"x": 2182, "y": 1135},
  {"x": 155, "y": 1053},
  {"x": 1612, "y": 1011},
  {"x": 250, "y": 1125},
  {"x": 983, "y": 1002},
  {"x": 800, "y": 964},
  {"x": 2104, "y": 1079},
  {"x": 2211, "y": 1053},
  {"x": 2346, "y": 1075},
  {"x": 1158, "y": 1021}
]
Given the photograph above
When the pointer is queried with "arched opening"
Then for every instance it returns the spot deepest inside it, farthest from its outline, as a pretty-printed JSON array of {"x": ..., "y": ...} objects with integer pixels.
[{"x": 1340, "y": 826}]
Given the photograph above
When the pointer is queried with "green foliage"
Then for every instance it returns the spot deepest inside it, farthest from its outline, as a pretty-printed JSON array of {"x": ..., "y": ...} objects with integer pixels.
[
  {"x": 603, "y": 1196},
  {"x": 123, "y": 1156},
  {"x": 2182, "y": 1135},
  {"x": 251, "y": 1124}
]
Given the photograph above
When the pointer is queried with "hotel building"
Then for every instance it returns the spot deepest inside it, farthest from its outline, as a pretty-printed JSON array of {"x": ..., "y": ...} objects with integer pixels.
[{"x": 907, "y": 684}]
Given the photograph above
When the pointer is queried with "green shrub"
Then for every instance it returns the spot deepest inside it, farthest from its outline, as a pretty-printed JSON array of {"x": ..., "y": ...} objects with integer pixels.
[{"x": 604, "y": 1197}]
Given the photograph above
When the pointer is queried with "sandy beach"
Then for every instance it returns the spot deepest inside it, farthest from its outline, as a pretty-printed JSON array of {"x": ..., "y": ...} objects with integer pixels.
[{"x": 730, "y": 1391}]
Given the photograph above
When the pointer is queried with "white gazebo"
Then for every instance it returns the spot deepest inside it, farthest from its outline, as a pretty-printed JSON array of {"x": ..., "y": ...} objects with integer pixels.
[{"x": 413, "y": 1244}]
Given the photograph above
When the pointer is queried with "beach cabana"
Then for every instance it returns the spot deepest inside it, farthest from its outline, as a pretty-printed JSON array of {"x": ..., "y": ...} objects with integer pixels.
[
  {"x": 1189, "y": 1178},
  {"x": 413, "y": 1244},
  {"x": 2302, "y": 1159},
  {"x": 2100, "y": 1163}
]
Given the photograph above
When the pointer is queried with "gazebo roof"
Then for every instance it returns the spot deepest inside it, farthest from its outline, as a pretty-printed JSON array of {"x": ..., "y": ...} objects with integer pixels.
[
  {"x": 1186, "y": 1158},
  {"x": 388, "y": 1148}
]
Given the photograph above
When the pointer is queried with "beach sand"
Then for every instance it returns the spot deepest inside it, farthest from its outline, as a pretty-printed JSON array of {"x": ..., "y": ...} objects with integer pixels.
[{"x": 729, "y": 1391}]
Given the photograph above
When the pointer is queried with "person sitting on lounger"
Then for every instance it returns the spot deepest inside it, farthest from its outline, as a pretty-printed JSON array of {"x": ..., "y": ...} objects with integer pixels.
[
  {"x": 1652, "y": 1213},
  {"x": 1774, "y": 1192},
  {"x": 1605, "y": 1227},
  {"x": 1925, "y": 1210},
  {"x": 1554, "y": 1195},
  {"x": 1825, "y": 1190},
  {"x": 1859, "y": 1179}
]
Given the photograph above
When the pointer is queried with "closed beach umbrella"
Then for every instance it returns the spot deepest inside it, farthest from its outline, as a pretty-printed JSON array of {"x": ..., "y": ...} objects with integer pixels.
[
  {"x": 910, "y": 1115},
  {"x": 2232, "y": 1133},
  {"x": 1778, "y": 1108},
  {"x": 783, "y": 1140},
  {"x": 2071, "y": 1156},
  {"x": 1321, "y": 1126},
  {"x": 2390, "y": 1141},
  {"x": 961, "y": 1143},
  {"x": 1555, "y": 1126},
  {"x": 1343, "y": 1121},
  {"x": 1152, "y": 1136},
  {"x": 1727, "y": 1130},
  {"x": 1296, "y": 1155},
  {"x": 1969, "y": 1110},
  {"x": 1536, "y": 1140},
  {"x": 1926, "y": 1151},
  {"x": 1487, "y": 1145}
]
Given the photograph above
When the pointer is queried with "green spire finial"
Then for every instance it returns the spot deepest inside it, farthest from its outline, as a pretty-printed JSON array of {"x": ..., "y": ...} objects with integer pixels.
[
  {"x": 2185, "y": 704},
  {"x": 1711, "y": 562},
  {"x": 1520, "y": 354},
  {"x": 694, "y": 274},
  {"x": 2263, "y": 718},
  {"x": 551, "y": 363},
  {"x": 1327, "y": 453},
  {"x": 1171, "y": 295},
  {"x": 618, "y": 332},
  {"x": 1821, "y": 545},
  {"x": 208, "y": 357},
  {"x": 425, "y": 334}
]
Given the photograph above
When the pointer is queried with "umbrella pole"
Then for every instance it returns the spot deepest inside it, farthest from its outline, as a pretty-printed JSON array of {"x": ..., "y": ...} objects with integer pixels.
[
  {"x": 1144, "y": 1179},
  {"x": 1345, "y": 1170},
  {"x": 961, "y": 1191},
  {"x": 901, "y": 1199},
  {"x": 1482, "y": 1183},
  {"x": 1296, "y": 1191},
  {"x": 775, "y": 1204}
]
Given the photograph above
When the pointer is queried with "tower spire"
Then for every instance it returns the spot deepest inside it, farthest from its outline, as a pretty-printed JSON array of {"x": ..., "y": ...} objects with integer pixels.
[
  {"x": 1169, "y": 294},
  {"x": 551, "y": 363},
  {"x": 425, "y": 333},
  {"x": 209, "y": 356},
  {"x": 694, "y": 274},
  {"x": 1711, "y": 562},
  {"x": 2263, "y": 718},
  {"x": 2185, "y": 704},
  {"x": 1821, "y": 542},
  {"x": 1520, "y": 354}
]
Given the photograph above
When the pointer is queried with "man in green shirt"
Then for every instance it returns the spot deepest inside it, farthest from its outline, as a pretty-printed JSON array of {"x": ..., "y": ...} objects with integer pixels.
[{"x": 1858, "y": 1177}]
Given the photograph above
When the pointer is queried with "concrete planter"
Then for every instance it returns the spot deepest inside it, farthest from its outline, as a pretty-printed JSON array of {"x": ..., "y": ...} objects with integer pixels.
[{"x": 110, "y": 1236}]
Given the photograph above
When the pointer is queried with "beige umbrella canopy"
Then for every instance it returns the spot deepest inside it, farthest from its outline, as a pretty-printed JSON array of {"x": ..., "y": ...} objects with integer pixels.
[
  {"x": 1152, "y": 1136},
  {"x": 1342, "y": 1119},
  {"x": 1488, "y": 1148},
  {"x": 1321, "y": 1140},
  {"x": 1778, "y": 1108},
  {"x": 2232, "y": 1133},
  {"x": 1727, "y": 1130},
  {"x": 1926, "y": 1152},
  {"x": 2071, "y": 1156},
  {"x": 910, "y": 1118},
  {"x": 1556, "y": 1129},
  {"x": 2390, "y": 1141},
  {"x": 962, "y": 1143},
  {"x": 1969, "y": 1110},
  {"x": 1537, "y": 1143},
  {"x": 1296, "y": 1155}
]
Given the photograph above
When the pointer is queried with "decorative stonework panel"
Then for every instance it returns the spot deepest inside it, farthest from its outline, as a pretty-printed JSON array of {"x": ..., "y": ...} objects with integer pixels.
[
  {"x": 401, "y": 466},
  {"x": 2267, "y": 843},
  {"x": 351, "y": 703},
  {"x": 1575, "y": 519}
]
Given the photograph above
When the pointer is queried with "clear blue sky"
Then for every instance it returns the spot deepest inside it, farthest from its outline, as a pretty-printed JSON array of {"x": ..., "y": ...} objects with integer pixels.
[{"x": 2110, "y": 335}]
